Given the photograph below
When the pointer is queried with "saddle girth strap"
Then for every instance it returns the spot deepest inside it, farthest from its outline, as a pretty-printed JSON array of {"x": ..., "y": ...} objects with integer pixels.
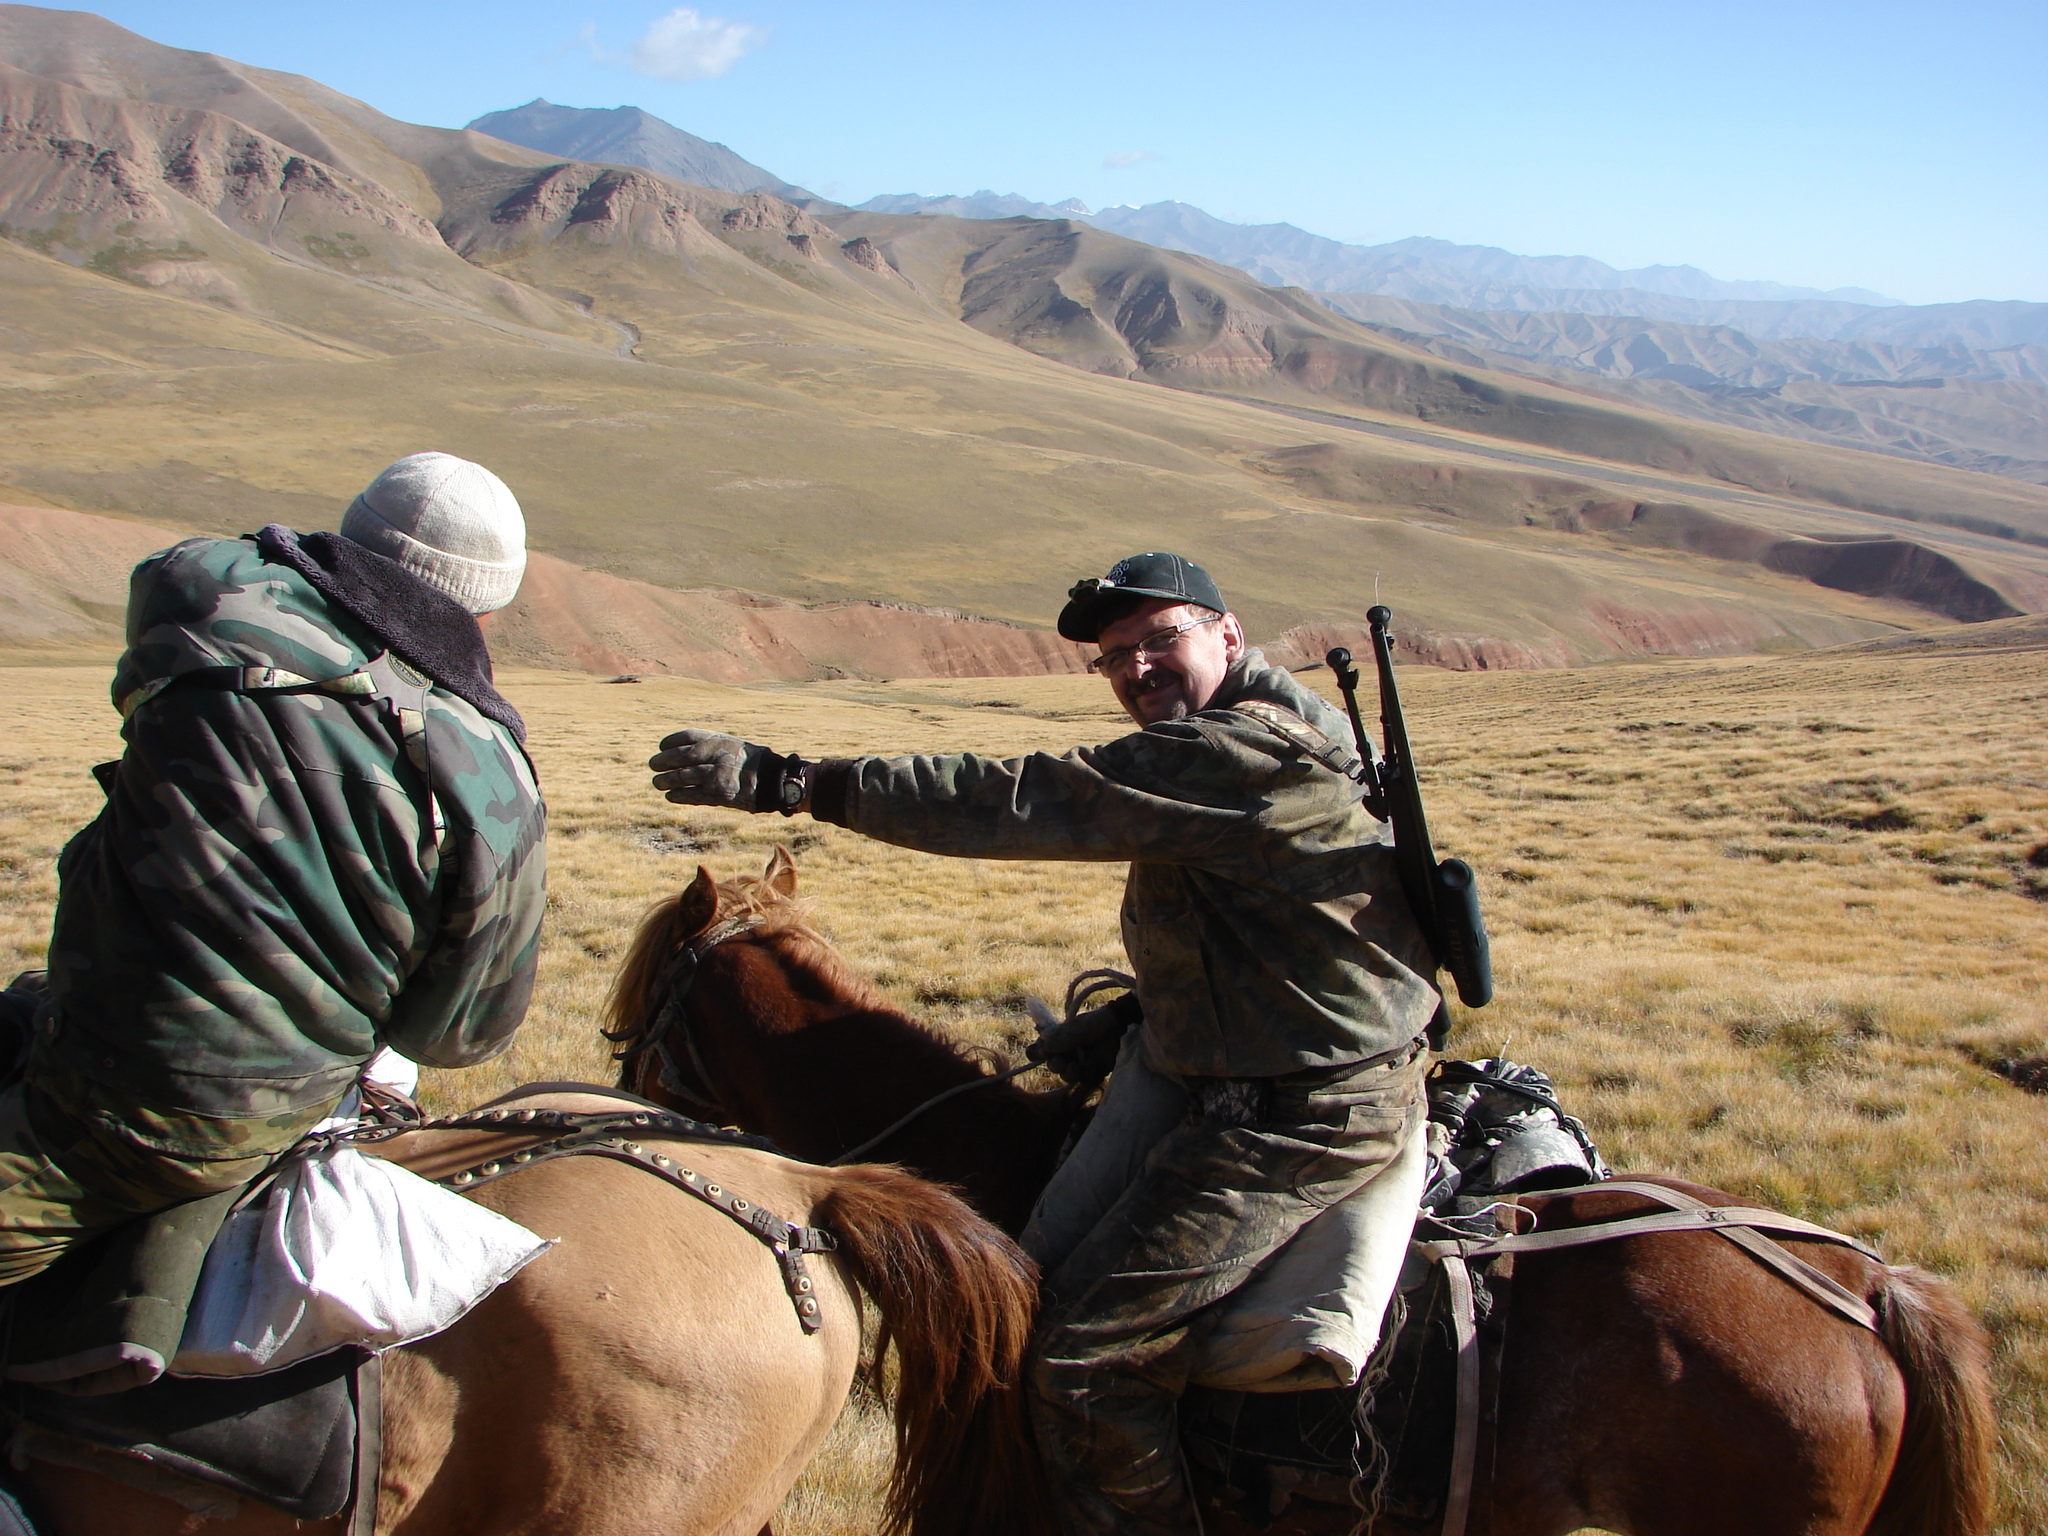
[
  {"x": 611, "y": 1135},
  {"x": 369, "y": 1398},
  {"x": 1465, "y": 1434}
]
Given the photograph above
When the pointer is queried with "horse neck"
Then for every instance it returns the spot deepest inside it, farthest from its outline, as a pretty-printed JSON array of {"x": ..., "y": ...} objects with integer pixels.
[{"x": 795, "y": 1055}]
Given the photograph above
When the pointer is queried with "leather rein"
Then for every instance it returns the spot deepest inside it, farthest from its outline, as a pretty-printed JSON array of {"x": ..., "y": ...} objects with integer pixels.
[{"x": 668, "y": 1018}]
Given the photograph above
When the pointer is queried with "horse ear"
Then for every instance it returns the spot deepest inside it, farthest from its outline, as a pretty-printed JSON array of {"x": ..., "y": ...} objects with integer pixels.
[
  {"x": 780, "y": 875},
  {"x": 698, "y": 904}
]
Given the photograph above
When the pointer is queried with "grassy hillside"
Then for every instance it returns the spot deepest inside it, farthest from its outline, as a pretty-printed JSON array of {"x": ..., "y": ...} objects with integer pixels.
[{"x": 1110, "y": 305}]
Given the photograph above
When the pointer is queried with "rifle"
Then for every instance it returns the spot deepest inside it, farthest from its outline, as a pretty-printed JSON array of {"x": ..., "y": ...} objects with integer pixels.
[{"x": 1443, "y": 896}]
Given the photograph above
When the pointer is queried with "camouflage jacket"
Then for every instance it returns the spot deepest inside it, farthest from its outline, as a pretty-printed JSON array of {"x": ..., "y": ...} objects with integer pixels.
[
  {"x": 293, "y": 866},
  {"x": 1262, "y": 912}
]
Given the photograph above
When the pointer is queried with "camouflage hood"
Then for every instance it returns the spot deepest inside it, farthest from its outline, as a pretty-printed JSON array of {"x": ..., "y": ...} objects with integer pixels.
[
  {"x": 1250, "y": 680},
  {"x": 316, "y": 605}
]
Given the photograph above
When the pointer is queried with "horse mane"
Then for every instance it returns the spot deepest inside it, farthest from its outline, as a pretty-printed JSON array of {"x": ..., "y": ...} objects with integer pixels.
[
  {"x": 783, "y": 917},
  {"x": 821, "y": 1032},
  {"x": 629, "y": 1009}
]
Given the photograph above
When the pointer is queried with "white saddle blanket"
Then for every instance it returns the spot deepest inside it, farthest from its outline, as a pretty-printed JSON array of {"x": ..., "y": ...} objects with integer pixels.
[
  {"x": 343, "y": 1249},
  {"x": 1310, "y": 1315}
]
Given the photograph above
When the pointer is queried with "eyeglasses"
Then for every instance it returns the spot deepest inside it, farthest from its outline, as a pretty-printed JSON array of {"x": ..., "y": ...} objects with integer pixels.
[{"x": 1158, "y": 643}]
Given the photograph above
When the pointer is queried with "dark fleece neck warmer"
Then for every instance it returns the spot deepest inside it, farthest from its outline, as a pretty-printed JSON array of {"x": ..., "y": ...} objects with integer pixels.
[{"x": 421, "y": 624}]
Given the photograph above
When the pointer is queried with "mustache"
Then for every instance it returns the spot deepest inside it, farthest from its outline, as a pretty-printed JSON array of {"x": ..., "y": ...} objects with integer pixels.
[{"x": 1175, "y": 707}]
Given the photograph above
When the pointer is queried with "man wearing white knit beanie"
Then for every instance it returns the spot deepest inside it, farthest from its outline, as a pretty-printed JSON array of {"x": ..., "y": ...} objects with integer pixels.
[
  {"x": 457, "y": 527},
  {"x": 453, "y": 524},
  {"x": 323, "y": 707}
]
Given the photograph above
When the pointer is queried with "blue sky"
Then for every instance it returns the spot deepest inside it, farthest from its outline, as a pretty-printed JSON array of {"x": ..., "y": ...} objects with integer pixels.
[{"x": 1898, "y": 147}]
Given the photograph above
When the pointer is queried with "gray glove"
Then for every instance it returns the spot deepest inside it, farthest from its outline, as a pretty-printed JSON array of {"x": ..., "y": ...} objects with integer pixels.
[{"x": 710, "y": 768}]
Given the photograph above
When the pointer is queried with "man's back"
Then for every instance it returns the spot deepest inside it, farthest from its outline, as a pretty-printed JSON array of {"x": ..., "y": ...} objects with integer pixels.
[{"x": 271, "y": 861}]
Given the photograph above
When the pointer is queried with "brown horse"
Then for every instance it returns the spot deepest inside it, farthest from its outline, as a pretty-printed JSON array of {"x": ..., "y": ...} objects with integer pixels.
[
  {"x": 1657, "y": 1385},
  {"x": 649, "y": 1377}
]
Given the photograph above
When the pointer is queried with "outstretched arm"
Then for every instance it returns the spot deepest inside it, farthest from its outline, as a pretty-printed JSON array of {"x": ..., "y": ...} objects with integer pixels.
[{"x": 1173, "y": 793}]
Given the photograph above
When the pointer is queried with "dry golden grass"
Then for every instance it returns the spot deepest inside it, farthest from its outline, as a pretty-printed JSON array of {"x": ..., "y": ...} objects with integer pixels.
[{"x": 1762, "y": 919}]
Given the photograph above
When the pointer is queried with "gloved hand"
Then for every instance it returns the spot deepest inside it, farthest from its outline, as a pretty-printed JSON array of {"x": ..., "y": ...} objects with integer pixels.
[
  {"x": 711, "y": 768},
  {"x": 1083, "y": 1049}
]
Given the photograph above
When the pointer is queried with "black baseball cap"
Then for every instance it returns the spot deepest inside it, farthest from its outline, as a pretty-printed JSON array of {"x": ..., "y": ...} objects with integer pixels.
[{"x": 1101, "y": 600}]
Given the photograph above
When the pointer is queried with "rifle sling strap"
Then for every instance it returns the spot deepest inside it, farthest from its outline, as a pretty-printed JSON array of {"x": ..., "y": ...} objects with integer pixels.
[{"x": 1285, "y": 723}]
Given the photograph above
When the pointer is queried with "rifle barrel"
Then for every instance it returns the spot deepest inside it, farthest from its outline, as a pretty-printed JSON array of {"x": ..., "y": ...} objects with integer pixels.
[
  {"x": 1443, "y": 896},
  {"x": 1400, "y": 760}
]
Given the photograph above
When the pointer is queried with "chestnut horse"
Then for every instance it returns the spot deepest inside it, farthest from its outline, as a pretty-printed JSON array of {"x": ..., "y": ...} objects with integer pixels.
[
  {"x": 648, "y": 1376},
  {"x": 1656, "y": 1385}
]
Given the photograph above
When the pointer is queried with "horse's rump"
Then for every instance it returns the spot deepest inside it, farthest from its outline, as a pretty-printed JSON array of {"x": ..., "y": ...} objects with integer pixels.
[
  {"x": 645, "y": 1377},
  {"x": 955, "y": 1298},
  {"x": 1737, "y": 1394},
  {"x": 655, "y": 1337}
]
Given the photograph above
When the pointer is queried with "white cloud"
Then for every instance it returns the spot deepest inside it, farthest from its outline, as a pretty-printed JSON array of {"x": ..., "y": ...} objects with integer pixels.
[
  {"x": 1129, "y": 158},
  {"x": 684, "y": 45}
]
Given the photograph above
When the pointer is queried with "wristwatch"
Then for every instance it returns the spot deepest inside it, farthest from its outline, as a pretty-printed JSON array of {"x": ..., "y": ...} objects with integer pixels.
[{"x": 789, "y": 792}]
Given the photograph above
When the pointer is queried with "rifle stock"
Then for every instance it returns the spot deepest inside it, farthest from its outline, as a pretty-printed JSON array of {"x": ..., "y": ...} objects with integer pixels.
[{"x": 1443, "y": 896}]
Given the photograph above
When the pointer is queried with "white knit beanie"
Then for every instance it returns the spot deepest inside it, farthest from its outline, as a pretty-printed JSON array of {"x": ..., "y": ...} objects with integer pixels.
[{"x": 453, "y": 524}]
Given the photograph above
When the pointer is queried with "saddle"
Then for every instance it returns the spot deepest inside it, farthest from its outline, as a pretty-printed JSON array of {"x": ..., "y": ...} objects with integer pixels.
[
  {"x": 303, "y": 1440},
  {"x": 1375, "y": 1455},
  {"x": 300, "y": 1440}
]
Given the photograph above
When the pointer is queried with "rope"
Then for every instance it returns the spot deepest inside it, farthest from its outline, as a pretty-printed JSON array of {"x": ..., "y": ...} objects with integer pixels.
[
  {"x": 1084, "y": 986},
  {"x": 1093, "y": 984},
  {"x": 931, "y": 1103}
]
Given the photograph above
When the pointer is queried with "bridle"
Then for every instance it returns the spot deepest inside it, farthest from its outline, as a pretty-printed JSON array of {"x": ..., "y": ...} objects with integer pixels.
[{"x": 667, "y": 1017}]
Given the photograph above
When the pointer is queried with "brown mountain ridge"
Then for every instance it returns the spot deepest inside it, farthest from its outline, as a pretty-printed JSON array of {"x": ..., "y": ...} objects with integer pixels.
[{"x": 229, "y": 295}]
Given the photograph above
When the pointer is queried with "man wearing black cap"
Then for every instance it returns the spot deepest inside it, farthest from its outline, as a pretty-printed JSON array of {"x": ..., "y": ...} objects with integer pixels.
[{"x": 1285, "y": 989}]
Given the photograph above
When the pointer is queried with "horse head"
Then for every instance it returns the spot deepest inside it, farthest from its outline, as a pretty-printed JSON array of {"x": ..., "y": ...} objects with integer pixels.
[{"x": 732, "y": 1006}]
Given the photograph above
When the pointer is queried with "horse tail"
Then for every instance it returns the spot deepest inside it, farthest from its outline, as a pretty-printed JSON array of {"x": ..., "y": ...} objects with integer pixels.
[
  {"x": 957, "y": 1301},
  {"x": 1941, "y": 1482}
]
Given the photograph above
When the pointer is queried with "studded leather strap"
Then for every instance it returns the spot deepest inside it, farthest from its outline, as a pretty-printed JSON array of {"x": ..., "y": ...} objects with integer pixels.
[{"x": 613, "y": 1135}]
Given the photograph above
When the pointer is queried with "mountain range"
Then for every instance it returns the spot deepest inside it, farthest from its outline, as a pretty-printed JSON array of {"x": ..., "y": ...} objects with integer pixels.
[
  {"x": 1484, "y": 278},
  {"x": 228, "y": 295},
  {"x": 1982, "y": 409},
  {"x": 1433, "y": 271},
  {"x": 1826, "y": 366}
]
